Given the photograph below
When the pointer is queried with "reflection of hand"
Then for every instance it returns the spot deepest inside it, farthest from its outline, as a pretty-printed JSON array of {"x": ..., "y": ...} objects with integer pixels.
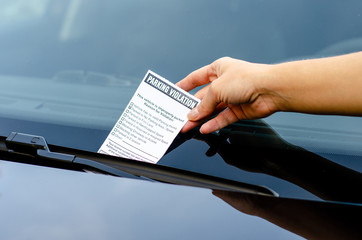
[
  {"x": 309, "y": 219},
  {"x": 236, "y": 87},
  {"x": 248, "y": 145},
  {"x": 254, "y": 146}
]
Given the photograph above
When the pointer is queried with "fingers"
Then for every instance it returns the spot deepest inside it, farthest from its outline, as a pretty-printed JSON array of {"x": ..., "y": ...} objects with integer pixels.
[
  {"x": 202, "y": 92},
  {"x": 205, "y": 108},
  {"x": 209, "y": 102},
  {"x": 225, "y": 117},
  {"x": 209, "y": 95},
  {"x": 209, "y": 106},
  {"x": 222, "y": 120},
  {"x": 197, "y": 78},
  {"x": 191, "y": 124}
]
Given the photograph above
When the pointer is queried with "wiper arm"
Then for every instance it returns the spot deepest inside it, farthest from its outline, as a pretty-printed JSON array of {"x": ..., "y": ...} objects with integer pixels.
[
  {"x": 36, "y": 151},
  {"x": 37, "y": 147}
]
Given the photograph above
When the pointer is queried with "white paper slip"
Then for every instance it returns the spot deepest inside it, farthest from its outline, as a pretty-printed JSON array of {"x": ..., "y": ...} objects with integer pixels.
[{"x": 151, "y": 121}]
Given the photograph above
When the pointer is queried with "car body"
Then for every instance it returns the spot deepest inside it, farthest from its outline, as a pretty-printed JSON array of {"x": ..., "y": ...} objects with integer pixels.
[{"x": 69, "y": 68}]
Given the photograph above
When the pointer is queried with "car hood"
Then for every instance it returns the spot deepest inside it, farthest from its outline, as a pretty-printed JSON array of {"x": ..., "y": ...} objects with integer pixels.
[{"x": 58, "y": 204}]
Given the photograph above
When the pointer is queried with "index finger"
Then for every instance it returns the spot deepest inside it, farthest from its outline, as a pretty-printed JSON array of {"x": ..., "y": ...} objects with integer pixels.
[{"x": 197, "y": 78}]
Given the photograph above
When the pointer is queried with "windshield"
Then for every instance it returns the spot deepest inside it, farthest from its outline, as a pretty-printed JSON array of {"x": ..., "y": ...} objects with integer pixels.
[{"x": 69, "y": 67}]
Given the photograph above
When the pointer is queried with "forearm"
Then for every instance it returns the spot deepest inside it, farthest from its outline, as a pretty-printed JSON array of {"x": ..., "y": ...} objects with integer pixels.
[{"x": 325, "y": 86}]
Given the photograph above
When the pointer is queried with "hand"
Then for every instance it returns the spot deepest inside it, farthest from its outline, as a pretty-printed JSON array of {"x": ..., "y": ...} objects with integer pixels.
[
  {"x": 234, "y": 92},
  {"x": 239, "y": 90}
]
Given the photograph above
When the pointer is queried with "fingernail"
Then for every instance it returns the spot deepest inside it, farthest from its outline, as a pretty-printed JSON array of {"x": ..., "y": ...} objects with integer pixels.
[{"x": 193, "y": 114}]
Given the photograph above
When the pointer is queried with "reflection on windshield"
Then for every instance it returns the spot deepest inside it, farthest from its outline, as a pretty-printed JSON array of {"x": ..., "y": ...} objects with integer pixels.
[
  {"x": 309, "y": 219},
  {"x": 42, "y": 37},
  {"x": 254, "y": 146},
  {"x": 21, "y": 11}
]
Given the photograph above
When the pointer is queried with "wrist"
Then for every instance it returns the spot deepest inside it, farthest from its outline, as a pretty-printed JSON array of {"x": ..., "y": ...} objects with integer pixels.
[{"x": 272, "y": 87}]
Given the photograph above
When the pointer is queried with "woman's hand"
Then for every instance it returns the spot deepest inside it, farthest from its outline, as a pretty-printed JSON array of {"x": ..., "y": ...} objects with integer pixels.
[
  {"x": 237, "y": 90},
  {"x": 234, "y": 90}
]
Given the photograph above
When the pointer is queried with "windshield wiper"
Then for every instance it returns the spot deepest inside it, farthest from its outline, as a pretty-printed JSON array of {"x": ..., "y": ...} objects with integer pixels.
[
  {"x": 37, "y": 147},
  {"x": 32, "y": 149}
]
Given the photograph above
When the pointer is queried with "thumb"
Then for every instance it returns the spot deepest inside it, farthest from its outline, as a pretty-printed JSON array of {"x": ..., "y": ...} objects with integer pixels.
[{"x": 206, "y": 107}]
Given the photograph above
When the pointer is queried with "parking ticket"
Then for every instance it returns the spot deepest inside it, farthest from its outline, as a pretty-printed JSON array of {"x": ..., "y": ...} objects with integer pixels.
[{"x": 151, "y": 121}]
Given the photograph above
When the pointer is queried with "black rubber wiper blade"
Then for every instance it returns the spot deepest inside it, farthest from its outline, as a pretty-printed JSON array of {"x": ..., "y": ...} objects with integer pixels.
[
  {"x": 37, "y": 151},
  {"x": 37, "y": 147}
]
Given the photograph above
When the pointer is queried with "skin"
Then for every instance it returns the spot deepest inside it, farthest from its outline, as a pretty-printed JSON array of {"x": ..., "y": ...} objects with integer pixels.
[{"x": 234, "y": 89}]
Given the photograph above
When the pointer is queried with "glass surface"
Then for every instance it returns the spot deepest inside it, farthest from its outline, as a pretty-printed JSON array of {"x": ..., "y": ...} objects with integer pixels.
[
  {"x": 69, "y": 67},
  {"x": 78, "y": 62}
]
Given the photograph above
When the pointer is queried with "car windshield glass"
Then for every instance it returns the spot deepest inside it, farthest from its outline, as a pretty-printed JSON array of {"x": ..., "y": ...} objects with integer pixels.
[{"x": 68, "y": 68}]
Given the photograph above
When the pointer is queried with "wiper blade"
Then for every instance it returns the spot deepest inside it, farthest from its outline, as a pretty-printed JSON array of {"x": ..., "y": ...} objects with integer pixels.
[
  {"x": 33, "y": 149},
  {"x": 38, "y": 148}
]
